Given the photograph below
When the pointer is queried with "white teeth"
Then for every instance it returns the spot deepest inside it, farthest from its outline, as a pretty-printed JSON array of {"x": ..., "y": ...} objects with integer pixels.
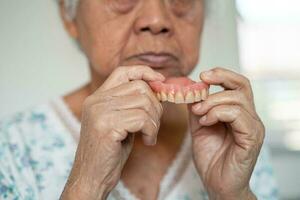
[
  {"x": 204, "y": 94},
  {"x": 171, "y": 97},
  {"x": 179, "y": 98},
  {"x": 158, "y": 96},
  {"x": 189, "y": 97},
  {"x": 197, "y": 95},
  {"x": 163, "y": 96}
]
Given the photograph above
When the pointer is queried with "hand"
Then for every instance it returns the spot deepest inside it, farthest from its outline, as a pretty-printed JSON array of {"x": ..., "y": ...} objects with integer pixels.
[
  {"x": 123, "y": 105},
  {"x": 227, "y": 136}
]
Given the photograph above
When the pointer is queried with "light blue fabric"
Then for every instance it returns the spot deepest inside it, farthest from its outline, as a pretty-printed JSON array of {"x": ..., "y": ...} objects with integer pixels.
[{"x": 37, "y": 152}]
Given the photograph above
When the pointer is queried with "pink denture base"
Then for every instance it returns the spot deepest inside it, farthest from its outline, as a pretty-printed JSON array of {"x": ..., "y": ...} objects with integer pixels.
[{"x": 177, "y": 84}]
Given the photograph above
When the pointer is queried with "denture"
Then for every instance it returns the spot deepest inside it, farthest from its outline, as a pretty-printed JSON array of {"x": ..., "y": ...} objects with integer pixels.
[{"x": 180, "y": 90}]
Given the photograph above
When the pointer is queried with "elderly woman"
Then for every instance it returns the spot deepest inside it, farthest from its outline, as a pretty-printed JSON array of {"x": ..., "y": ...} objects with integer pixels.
[{"x": 115, "y": 138}]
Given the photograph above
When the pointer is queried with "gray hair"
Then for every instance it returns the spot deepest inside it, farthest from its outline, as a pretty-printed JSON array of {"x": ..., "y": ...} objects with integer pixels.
[{"x": 71, "y": 7}]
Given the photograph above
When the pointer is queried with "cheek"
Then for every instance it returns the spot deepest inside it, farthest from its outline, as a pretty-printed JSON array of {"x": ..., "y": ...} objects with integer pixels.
[
  {"x": 190, "y": 44},
  {"x": 106, "y": 48},
  {"x": 102, "y": 40},
  {"x": 189, "y": 40}
]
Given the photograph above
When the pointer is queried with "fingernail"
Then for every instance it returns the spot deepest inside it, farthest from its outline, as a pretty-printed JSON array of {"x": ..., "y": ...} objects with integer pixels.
[
  {"x": 203, "y": 119},
  {"x": 149, "y": 141}
]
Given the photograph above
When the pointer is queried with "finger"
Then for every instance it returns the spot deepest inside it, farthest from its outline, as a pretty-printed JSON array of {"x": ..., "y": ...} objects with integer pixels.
[
  {"x": 227, "y": 79},
  {"x": 129, "y": 73},
  {"x": 229, "y": 97},
  {"x": 134, "y": 121},
  {"x": 140, "y": 101},
  {"x": 245, "y": 128},
  {"x": 225, "y": 113},
  {"x": 131, "y": 88}
]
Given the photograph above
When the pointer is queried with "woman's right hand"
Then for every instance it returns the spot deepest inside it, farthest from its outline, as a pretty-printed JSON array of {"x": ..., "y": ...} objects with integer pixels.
[{"x": 123, "y": 105}]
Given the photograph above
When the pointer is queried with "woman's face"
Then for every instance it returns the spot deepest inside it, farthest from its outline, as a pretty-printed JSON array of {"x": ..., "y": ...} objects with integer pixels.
[{"x": 163, "y": 34}]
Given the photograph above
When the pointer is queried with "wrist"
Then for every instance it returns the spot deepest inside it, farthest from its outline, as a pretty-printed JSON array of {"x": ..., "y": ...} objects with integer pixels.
[
  {"x": 245, "y": 194},
  {"x": 83, "y": 194},
  {"x": 83, "y": 190}
]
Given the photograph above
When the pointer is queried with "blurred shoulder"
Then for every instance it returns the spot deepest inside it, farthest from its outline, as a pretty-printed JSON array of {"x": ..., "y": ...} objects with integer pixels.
[
  {"x": 35, "y": 146},
  {"x": 38, "y": 127},
  {"x": 37, "y": 120}
]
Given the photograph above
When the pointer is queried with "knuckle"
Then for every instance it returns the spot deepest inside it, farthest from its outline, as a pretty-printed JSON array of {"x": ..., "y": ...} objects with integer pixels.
[
  {"x": 218, "y": 70},
  {"x": 118, "y": 134},
  {"x": 210, "y": 102},
  {"x": 143, "y": 115},
  {"x": 95, "y": 101},
  {"x": 239, "y": 96},
  {"x": 141, "y": 122},
  {"x": 145, "y": 99},
  {"x": 214, "y": 110},
  {"x": 147, "y": 102},
  {"x": 141, "y": 86},
  {"x": 237, "y": 111},
  {"x": 247, "y": 81}
]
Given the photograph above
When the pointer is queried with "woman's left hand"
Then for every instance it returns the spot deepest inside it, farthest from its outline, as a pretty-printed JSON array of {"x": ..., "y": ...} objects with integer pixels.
[{"x": 227, "y": 136}]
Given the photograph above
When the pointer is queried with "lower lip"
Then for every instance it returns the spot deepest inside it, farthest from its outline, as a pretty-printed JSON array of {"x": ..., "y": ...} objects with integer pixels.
[{"x": 155, "y": 59}]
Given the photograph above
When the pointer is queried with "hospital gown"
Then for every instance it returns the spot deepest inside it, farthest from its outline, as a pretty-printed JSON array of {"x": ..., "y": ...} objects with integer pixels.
[{"x": 37, "y": 149}]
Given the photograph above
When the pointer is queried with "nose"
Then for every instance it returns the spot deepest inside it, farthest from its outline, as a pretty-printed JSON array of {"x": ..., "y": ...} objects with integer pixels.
[{"x": 153, "y": 18}]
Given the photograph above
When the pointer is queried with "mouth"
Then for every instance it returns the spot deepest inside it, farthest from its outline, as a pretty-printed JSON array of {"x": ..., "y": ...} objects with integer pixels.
[{"x": 155, "y": 60}]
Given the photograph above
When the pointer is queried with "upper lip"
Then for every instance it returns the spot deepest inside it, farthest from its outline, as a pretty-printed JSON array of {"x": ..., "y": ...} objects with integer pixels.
[{"x": 155, "y": 59}]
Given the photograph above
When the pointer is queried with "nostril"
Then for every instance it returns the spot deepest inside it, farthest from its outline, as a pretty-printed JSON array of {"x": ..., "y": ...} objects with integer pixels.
[
  {"x": 145, "y": 29},
  {"x": 148, "y": 29},
  {"x": 165, "y": 30}
]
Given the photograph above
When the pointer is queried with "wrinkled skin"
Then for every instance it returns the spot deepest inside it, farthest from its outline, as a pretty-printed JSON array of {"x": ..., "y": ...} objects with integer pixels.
[
  {"x": 118, "y": 109},
  {"x": 123, "y": 104},
  {"x": 228, "y": 134}
]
